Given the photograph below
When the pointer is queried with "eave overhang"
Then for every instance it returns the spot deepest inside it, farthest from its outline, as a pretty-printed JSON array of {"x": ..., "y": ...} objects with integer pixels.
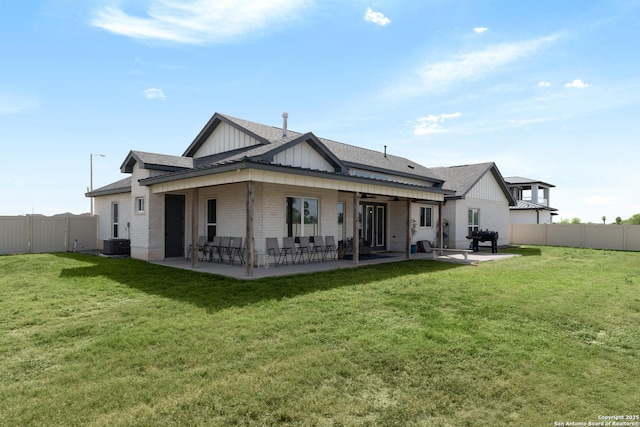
[{"x": 248, "y": 170}]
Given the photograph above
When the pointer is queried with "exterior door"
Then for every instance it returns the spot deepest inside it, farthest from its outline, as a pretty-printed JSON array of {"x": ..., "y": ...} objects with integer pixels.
[
  {"x": 173, "y": 226},
  {"x": 375, "y": 225}
]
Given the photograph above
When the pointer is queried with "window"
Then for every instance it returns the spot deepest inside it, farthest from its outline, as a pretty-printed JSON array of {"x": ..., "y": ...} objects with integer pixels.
[
  {"x": 211, "y": 219},
  {"x": 425, "y": 216},
  {"x": 302, "y": 216},
  {"x": 342, "y": 232},
  {"x": 140, "y": 205},
  {"x": 114, "y": 220},
  {"x": 474, "y": 220}
]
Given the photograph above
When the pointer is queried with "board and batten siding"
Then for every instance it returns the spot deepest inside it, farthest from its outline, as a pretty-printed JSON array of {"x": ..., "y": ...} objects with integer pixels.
[
  {"x": 303, "y": 156},
  {"x": 486, "y": 189},
  {"x": 225, "y": 138}
]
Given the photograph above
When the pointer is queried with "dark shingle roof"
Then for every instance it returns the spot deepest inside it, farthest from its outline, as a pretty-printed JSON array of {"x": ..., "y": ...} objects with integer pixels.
[
  {"x": 121, "y": 186},
  {"x": 349, "y": 154},
  {"x": 156, "y": 161},
  {"x": 462, "y": 178}
]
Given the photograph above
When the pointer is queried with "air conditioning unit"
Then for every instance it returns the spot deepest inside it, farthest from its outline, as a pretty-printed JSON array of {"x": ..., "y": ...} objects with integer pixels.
[{"x": 116, "y": 247}]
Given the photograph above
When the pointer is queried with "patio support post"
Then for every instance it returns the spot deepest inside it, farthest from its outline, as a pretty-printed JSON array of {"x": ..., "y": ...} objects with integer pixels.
[
  {"x": 408, "y": 230},
  {"x": 249, "y": 240},
  {"x": 194, "y": 227},
  {"x": 356, "y": 237},
  {"x": 441, "y": 226}
]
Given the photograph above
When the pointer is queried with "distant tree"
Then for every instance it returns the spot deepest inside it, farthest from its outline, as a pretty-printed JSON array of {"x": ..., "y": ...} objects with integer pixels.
[
  {"x": 635, "y": 220},
  {"x": 575, "y": 220},
  {"x": 618, "y": 220},
  {"x": 604, "y": 219}
]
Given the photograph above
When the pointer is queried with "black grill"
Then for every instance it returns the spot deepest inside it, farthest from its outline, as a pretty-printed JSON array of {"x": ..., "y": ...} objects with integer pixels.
[{"x": 484, "y": 236}]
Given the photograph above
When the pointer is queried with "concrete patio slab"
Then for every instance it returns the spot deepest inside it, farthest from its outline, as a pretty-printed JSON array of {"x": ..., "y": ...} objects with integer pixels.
[{"x": 238, "y": 271}]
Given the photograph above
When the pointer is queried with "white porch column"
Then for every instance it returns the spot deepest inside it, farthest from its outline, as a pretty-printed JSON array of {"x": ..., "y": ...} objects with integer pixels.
[
  {"x": 534, "y": 193},
  {"x": 546, "y": 192}
]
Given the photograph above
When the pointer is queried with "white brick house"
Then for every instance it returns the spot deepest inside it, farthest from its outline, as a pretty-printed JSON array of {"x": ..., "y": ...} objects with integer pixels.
[{"x": 240, "y": 178}]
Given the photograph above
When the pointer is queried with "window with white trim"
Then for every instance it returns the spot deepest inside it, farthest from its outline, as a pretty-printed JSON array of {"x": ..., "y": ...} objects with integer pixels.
[
  {"x": 302, "y": 216},
  {"x": 212, "y": 222},
  {"x": 425, "y": 216},
  {"x": 139, "y": 205},
  {"x": 474, "y": 220},
  {"x": 114, "y": 219}
]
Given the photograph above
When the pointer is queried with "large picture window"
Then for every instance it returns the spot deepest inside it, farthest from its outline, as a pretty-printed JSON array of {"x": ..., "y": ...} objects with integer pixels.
[
  {"x": 474, "y": 220},
  {"x": 302, "y": 216},
  {"x": 211, "y": 219}
]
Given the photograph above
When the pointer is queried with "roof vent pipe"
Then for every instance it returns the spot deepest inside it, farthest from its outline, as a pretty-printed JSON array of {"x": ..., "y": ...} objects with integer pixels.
[
  {"x": 385, "y": 151},
  {"x": 285, "y": 116}
]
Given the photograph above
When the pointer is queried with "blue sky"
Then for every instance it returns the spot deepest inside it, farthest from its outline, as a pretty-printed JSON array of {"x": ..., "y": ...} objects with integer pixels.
[{"x": 547, "y": 89}]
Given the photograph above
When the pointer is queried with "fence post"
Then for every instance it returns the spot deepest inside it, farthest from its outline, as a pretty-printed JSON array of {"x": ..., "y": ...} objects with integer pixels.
[{"x": 29, "y": 225}]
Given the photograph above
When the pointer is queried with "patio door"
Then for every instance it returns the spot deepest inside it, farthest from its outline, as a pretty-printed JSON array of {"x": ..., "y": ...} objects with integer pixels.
[
  {"x": 173, "y": 226},
  {"x": 374, "y": 225}
]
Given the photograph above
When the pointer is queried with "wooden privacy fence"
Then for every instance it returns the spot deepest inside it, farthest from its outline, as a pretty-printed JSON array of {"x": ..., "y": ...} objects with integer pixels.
[
  {"x": 596, "y": 236},
  {"x": 39, "y": 234}
]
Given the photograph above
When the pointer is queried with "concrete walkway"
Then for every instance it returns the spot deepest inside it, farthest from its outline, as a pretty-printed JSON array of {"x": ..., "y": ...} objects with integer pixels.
[{"x": 237, "y": 271}]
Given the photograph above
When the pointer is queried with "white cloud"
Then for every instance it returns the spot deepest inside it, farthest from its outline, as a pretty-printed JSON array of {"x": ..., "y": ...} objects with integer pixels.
[
  {"x": 430, "y": 77},
  {"x": 16, "y": 103},
  {"x": 198, "y": 21},
  {"x": 433, "y": 124},
  {"x": 544, "y": 84},
  {"x": 154, "y": 93},
  {"x": 597, "y": 199},
  {"x": 376, "y": 17},
  {"x": 577, "y": 83},
  {"x": 480, "y": 30}
]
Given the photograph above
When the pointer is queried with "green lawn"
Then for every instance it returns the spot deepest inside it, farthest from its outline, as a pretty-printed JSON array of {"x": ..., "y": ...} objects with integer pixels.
[{"x": 553, "y": 335}]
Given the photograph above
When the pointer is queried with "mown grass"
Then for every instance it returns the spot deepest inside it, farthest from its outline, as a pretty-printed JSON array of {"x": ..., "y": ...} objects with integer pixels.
[{"x": 552, "y": 335}]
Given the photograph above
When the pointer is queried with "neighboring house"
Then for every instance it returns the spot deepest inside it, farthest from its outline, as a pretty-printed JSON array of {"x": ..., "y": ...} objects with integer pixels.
[
  {"x": 532, "y": 198},
  {"x": 481, "y": 202},
  {"x": 240, "y": 178}
]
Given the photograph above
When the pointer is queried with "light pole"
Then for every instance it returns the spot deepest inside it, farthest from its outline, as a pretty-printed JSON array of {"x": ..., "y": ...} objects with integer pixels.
[{"x": 91, "y": 176}]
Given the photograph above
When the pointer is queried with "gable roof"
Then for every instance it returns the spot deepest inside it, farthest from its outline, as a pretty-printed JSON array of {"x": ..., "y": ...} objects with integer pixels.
[
  {"x": 118, "y": 187},
  {"x": 463, "y": 178},
  {"x": 155, "y": 161},
  {"x": 342, "y": 156}
]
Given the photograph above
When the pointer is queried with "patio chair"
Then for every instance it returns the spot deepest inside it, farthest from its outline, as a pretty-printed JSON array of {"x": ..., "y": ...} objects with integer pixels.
[
  {"x": 223, "y": 249},
  {"x": 288, "y": 248},
  {"x": 236, "y": 250},
  {"x": 317, "y": 251},
  {"x": 273, "y": 249},
  {"x": 304, "y": 247},
  {"x": 214, "y": 247},
  {"x": 200, "y": 247},
  {"x": 330, "y": 248}
]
